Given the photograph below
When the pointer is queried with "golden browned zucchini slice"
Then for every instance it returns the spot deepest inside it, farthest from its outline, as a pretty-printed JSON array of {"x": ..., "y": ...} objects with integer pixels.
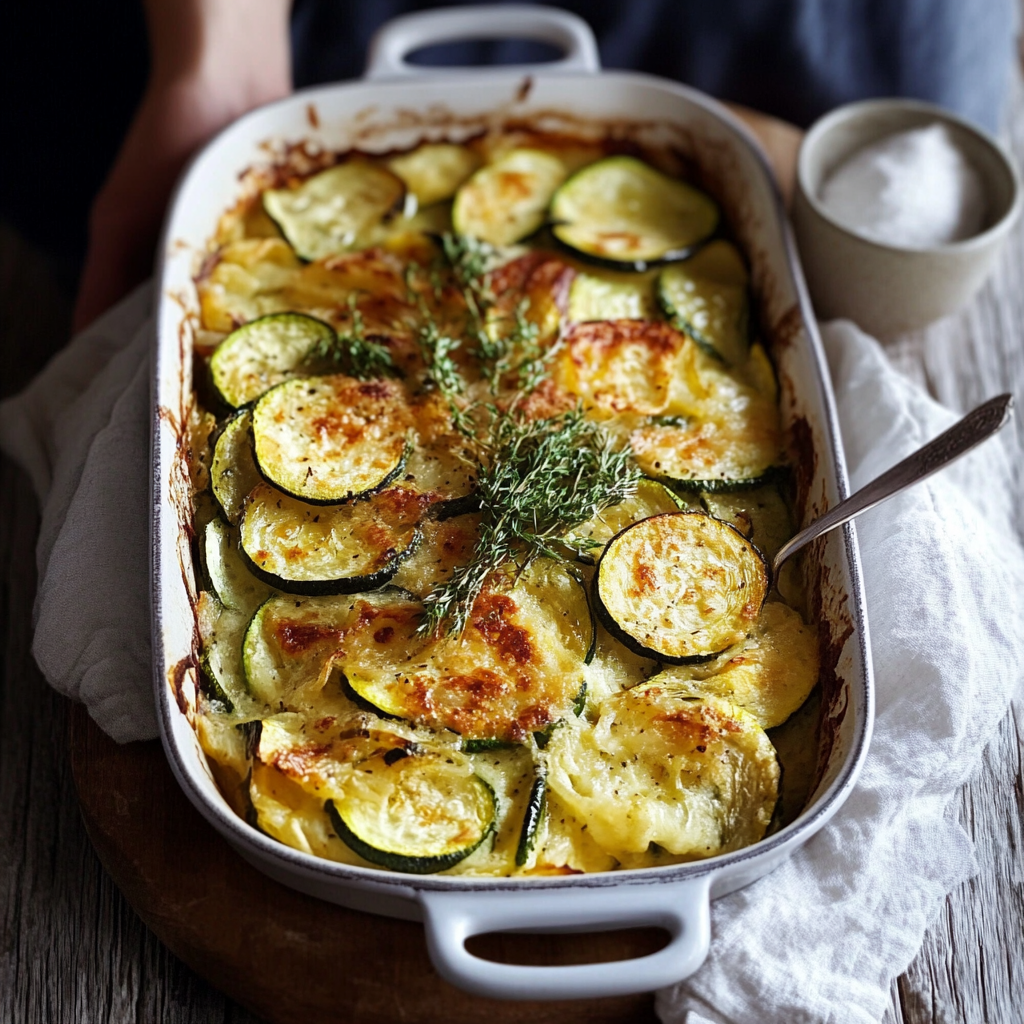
[
  {"x": 651, "y": 499},
  {"x": 706, "y": 296},
  {"x": 623, "y": 211},
  {"x": 622, "y": 365},
  {"x": 420, "y": 813},
  {"x": 770, "y": 677},
  {"x": 507, "y": 200},
  {"x": 682, "y": 587},
  {"x": 327, "y": 439},
  {"x": 434, "y": 171},
  {"x": 697, "y": 778},
  {"x": 341, "y": 549},
  {"x": 333, "y": 211},
  {"x": 264, "y": 352}
]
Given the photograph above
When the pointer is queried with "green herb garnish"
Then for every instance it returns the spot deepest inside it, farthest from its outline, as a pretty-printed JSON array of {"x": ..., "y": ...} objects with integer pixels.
[
  {"x": 544, "y": 477},
  {"x": 353, "y": 352}
]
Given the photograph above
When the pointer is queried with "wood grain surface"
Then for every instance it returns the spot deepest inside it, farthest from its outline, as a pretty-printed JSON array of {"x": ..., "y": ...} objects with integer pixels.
[{"x": 72, "y": 950}]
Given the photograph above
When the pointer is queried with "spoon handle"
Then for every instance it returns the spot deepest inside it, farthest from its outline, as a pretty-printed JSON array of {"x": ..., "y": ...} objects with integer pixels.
[{"x": 975, "y": 427}]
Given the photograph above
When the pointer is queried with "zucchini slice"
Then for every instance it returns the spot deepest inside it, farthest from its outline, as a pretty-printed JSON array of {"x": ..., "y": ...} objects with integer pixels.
[
  {"x": 516, "y": 668},
  {"x": 265, "y": 352},
  {"x": 721, "y": 433},
  {"x": 652, "y": 498},
  {"x": 682, "y": 587},
  {"x": 328, "y": 439},
  {"x": 710, "y": 456},
  {"x": 422, "y": 813},
  {"x": 707, "y": 297},
  {"x": 233, "y": 472},
  {"x": 221, "y": 660},
  {"x": 770, "y": 677},
  {"x": 760, "y": 514},
  {"x": 507, "y": 200},
  {"x": 434, "y": 171},
  {"x": 623, "y": 211},
  {"x": 622, "y": 365},
  {"x": 236, "y": 588},
  {"x": 608, "y": 298},
  {"x": 290, "y": 643},
  {"x": 446, "y": 467},
  {"x": 446, "y": 544},
  {"x": 310, "y": 549},
  {"x": 536, "y": 803},
  {"x": 334, "y": 210},
  {"x": 697, "y": 778}
]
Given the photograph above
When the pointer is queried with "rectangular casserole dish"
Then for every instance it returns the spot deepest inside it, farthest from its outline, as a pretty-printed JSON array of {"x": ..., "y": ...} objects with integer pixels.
[{"x": 397, "y": 106}]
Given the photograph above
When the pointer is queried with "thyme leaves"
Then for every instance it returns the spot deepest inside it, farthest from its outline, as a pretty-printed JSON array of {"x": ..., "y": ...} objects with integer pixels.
[
  {"x": 353, "y": 351},
  {"x": 544, "y": 477}
]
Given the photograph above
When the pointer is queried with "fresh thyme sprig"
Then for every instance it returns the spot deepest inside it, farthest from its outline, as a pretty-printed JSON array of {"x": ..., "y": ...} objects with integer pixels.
[
  {"x": 436, "y": 348},
  {"x": 353, "y": 352},
  {"x": 544, "y": 477}
]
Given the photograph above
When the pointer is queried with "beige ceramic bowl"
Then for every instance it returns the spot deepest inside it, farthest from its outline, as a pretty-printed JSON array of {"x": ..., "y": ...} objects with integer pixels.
[{"x": 883, "y": 288}]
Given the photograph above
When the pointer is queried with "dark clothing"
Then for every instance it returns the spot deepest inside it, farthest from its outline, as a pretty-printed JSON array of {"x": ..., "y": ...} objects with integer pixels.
[
  {"x": 796, "y": 59},
  {"x": 73, "y": 73}
]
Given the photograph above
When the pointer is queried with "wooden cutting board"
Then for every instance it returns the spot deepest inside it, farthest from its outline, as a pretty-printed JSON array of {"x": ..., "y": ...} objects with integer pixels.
[{"x": 288, "y": 957}]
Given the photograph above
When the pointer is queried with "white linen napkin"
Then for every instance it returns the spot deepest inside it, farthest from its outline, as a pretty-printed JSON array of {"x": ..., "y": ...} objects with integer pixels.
[
  {"x": 81, "y": 432},
  {"x": 818, "y": 940}
]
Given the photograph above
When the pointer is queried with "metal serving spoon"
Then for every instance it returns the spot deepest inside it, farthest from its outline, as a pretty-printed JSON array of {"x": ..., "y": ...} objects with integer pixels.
[{"x": 968, "y": 433}]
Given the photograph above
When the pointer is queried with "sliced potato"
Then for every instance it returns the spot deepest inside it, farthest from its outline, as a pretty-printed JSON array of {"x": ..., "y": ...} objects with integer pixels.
[
  {"x": 618, "y": 297},
  {"x": 434, "y": 171},
  {"x": 697, "y": 778},
  {"x": 335, "y": 210},
  {"x": 507, "y": 200},
  {"x": 770, "y": 676},
  {"x": 622, "y": 365}
]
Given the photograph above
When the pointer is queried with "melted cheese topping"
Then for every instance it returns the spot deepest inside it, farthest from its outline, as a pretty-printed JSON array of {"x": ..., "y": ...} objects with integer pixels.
[{"x": 338, "y": 697}]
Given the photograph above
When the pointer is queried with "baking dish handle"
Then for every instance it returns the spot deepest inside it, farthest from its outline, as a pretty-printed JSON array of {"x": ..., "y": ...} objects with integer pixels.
[
  {"x": 681, "y": 908},
  {"x": 401, "y": 36}
]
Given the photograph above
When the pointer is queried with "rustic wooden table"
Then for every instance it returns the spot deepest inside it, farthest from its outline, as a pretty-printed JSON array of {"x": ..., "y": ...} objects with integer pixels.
[{"x": 71, "y": 948}]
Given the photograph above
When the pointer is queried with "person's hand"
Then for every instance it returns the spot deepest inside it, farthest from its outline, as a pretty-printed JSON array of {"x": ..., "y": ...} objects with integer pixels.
[{"x": 212, "y": 61}]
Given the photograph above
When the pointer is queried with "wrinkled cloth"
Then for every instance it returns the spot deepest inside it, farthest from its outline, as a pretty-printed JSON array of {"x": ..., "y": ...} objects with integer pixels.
[
  {"x": 819, "y": 939},
  {"x": 81, "y": 431}
]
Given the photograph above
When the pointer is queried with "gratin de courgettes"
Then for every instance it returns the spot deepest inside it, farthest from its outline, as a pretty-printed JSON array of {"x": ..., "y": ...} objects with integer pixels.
[{"x": 490, "y": 474}]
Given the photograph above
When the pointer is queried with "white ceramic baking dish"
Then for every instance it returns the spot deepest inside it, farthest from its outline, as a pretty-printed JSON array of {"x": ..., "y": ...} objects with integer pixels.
[{"x": 397, "y": 105}]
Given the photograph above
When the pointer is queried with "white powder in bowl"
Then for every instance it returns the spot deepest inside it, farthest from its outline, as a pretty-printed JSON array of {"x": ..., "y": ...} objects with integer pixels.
[{"x": 914, "y": 189}]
